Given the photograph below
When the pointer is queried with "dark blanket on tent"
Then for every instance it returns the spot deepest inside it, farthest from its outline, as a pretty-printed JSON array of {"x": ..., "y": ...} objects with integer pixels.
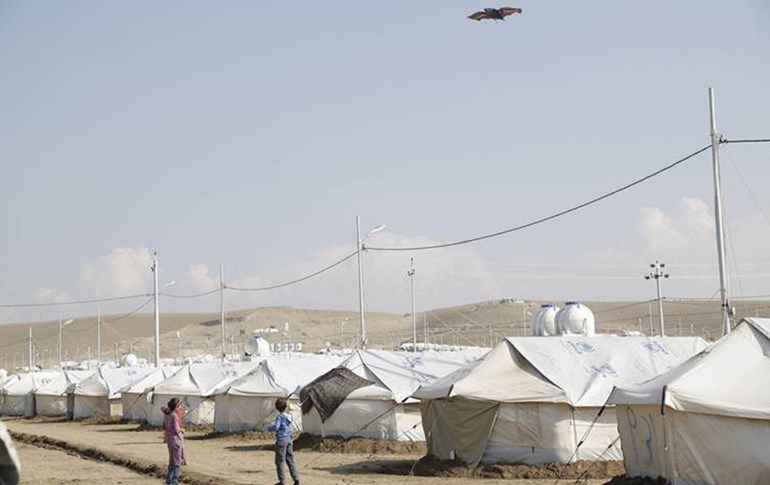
[{"x": 328, "y": 391}]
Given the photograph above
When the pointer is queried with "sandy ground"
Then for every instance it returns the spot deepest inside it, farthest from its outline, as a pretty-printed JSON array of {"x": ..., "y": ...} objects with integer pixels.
[{"x": 127, "y": 453}]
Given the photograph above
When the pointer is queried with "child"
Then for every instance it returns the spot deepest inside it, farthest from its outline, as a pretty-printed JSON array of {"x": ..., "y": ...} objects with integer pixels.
[
  {"x": 284, "y": 448},
  {"x": 172, "y": 435}
]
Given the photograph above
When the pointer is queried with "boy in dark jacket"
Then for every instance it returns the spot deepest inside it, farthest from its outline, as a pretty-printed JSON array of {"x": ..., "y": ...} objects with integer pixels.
[{"x": 284, "y": 448}]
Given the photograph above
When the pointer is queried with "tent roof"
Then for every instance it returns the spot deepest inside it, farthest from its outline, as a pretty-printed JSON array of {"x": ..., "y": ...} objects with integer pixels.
[
  {"x": 398, "y": 374},
  {"x": 27, "y": 382},
  {"x": 281, "y": 377},
  {"x": 59, "y": 385},
  {"x": 152, "y": 379},
  {"x": 728, "y": 378},
  {"x": 203, "y": 379},
  {"x": 580, "y": 371},
  {"x": 109, "y": 381}
]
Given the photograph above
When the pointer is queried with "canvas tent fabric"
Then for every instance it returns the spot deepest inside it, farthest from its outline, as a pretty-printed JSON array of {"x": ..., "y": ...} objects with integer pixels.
[
  {"x": 327, "y": 392},
  {"x": 51, "y": 398},
  {"x": 134, "y": 399},
  {"x": 384, "y": 408},
  {"x": 195, "y": 385},
  {"x": 249, "y": 401},
  {"x": 10, "y": 468},
  {"x": 708, "y": 420},
  {"x": 532, "y": 399},
  {"x": 17, "y": 396},
  {"x": 99, "y": 394}
]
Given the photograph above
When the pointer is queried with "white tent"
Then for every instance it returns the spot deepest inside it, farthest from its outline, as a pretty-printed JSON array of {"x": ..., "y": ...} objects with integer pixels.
[
  {"x": 248, "y": 402},
  {"x": 383, "y": 409},
  {"x": 17, "y": 396},
  {"x": 194, "y": 385},
  {"x": 99, "y": 394},
  {"x": 706, "y": 421},
  {"x": 532, "y": 399},
  {"x": 134, "y": 397},
  {"x": 51, "y": 399}
]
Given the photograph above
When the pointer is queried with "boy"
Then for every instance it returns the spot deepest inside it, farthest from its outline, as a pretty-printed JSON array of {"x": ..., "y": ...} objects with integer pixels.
[{"x": 284, "y": 448}]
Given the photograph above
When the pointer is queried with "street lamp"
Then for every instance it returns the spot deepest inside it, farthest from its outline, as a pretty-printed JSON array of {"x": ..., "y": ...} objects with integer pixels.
[
  {"x": 342, "y": 334},
  {"x": 154, "y": 269},
  {"x": 657, "y": 274},
  {"x": 359, "y": 248},
  {"x": 62, "y": 325},
  {"x": 410, "y": 274}
]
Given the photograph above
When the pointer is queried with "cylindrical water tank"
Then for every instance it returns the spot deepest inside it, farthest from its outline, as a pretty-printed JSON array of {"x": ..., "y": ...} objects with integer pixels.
[
  {"x": 257, "y": 347},
  {"x": 544, "y": 321},
  {"x": 129, "y": 360},
  {"x": 575, "y": 319}
]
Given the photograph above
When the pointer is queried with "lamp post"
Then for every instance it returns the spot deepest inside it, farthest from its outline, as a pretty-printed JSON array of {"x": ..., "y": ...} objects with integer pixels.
[
  {"x": 657, "y": 274},
  {"x": 61, "y": 326},
  {"x": 410, "y": 274},
  {"x": 342, "y": 334},
  {"x": 222, "y": 309},
  {"x": 156, "y": 293},
  {"x": 359, "y": 249}
]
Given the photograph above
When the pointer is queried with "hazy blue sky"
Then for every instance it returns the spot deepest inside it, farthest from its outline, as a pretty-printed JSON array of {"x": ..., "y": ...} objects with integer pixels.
[{"x": 250, "y": 134}]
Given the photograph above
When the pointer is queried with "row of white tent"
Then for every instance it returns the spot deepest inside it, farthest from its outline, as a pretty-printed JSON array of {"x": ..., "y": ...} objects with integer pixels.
[
  {"x": 683, "y": 410},
  {"x": 238, "y": 396}
]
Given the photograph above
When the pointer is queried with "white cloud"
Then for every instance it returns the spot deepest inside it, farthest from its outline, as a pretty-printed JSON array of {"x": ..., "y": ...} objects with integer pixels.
[
  {"x": 124, "y": 271},
  {"x": 201, "y": 279},
  {"x": 682, "y": 237}
]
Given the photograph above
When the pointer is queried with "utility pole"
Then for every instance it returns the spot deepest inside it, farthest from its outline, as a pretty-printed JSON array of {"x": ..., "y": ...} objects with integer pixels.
[
  {"x": 657, "y": 274},
  {"x": 157, "y": 308},
  {"x": 716, "y": 139},
  {"x": 222, "y": 308},
  {"x": 410, "y": 273},
  {"x": 98, "y": 337},
  {"x": 31, "y": 359}
]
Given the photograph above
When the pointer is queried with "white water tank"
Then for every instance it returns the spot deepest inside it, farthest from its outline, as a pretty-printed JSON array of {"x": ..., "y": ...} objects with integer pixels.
[
  {"x": 257, "y": 347},
  {"x": 544, "y": 321},
  {"x": 575, "y": 319},
  {"x": 129, "y": 360}
]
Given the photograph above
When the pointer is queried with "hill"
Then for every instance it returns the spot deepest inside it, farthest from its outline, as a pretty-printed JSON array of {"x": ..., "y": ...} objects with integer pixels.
[{"x": 482, "y": 324}]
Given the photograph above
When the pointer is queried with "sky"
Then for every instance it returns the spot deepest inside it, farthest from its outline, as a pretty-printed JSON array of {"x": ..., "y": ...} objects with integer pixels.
[{"x": 251, "y": 134}]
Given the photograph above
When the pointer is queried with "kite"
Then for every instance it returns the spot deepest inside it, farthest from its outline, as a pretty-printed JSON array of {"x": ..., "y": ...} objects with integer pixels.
[{"x": 494, "y": 13}]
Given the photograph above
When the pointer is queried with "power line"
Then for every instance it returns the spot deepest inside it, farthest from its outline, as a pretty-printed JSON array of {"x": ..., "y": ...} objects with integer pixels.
[
  {"x": 756, "y": 140},
  {"x": 552, "y": 216},
  {"x": 196, "y": 295},
  {"x": 298, "y": 280},
  {"x": 72, "y": 302},
  {"x": 126, "y": 315}
]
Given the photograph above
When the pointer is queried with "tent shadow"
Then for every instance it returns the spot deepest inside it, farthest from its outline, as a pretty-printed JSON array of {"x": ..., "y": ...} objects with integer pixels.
[
  {"x": 263, "y": 447},
  {"x": 384, "y": 467}
]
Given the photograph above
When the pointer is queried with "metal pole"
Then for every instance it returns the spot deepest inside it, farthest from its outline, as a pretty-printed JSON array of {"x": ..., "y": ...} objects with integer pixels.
[
  {"x": 98, "y": 337},
  {"x": 157, "y": 308},
  {"x": 715, "y": 140},
  {"x": 660, "y": 306},
  {"x": 222, "y": 308},
  {"x": 359, "y": 243},
  {"x": 410, "y": 273},
  {"x": 60, "y": 325},
  {"x": 30, "y": 349}
]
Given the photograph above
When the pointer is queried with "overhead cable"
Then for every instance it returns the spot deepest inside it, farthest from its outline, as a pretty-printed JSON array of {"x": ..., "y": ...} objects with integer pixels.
[
  {"x": 298, "y": 280},
  {"x": 73, "y": 302},
  {"x": 756, "y": 140},
  {"x": 547, "y": 218}
]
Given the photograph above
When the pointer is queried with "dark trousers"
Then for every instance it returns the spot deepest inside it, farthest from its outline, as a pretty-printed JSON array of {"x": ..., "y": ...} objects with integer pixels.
[{"x": 284, "y": 452}]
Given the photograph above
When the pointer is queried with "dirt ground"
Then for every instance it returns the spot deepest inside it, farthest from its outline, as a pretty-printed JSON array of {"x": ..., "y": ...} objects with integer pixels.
[{"x": 109, "y": 452}]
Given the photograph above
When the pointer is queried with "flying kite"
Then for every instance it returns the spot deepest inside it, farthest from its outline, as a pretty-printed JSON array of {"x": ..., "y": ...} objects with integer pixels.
[{"x": 494, "y": 13}]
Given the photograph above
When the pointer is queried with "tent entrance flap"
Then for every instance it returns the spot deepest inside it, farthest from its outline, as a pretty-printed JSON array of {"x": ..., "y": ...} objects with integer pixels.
[
  {"x": 458, "y": 428},
  {"x": 328, "y": 391}
]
